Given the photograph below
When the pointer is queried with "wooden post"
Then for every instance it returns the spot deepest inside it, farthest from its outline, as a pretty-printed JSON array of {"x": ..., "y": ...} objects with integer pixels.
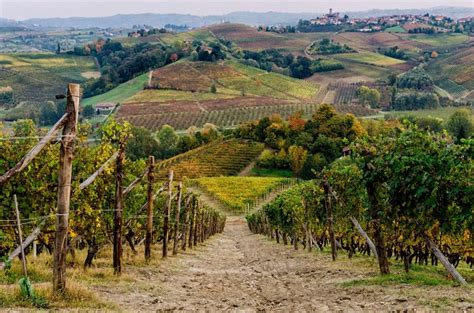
[
  {"x": 149, "y": 207},
  {"x": 64, "y": 188},
  {"x": 328, "y": 205},
  {"x": 185, "y": 223},
  {"x": 196, "y": 225},
  {"x": 23, "y": 259},
  {"x": 166, "y": 216},
  {"x": 176, "y": 219},
  {"x": 366, "y": 237},
  {"x": 118, "y": 212},
  {"x": 447, "y": 265},
  {"x": 192, "y": 222}
]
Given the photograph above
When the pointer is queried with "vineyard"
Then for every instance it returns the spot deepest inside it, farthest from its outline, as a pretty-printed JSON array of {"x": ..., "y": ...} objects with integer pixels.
[
  {"x": 230, "y": 78},
  {"x": 109, "y": 199},
  {"x": 39, "y": 76},
  {"x": 455, "y": 90},
  {"x": 345, "y": 95},
  {"x": 221, "y": 158},
  {"x": 239, "y": 194},
  {"x": 411, "y": 218}
]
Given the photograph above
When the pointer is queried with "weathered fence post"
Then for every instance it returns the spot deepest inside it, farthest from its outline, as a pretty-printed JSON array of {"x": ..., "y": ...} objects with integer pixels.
[
  {"x": 166, "y": 216},
  {"x": 176, "y": 220},
  {"x": 118, "y": 212},
  {"x": 192, "y": 222},
  {"x": 186, "y": 223},
  {"x": 64, "y": 188},
  {"x": 20, "y": 235},
  {"x": 149, "y": 208}
]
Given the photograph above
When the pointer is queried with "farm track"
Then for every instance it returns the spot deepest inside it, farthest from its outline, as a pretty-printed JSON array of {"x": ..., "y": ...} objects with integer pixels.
[{"x": 240, "y": 271}]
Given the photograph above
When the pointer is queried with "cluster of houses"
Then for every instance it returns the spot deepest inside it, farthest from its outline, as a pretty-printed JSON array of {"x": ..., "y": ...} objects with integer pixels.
[{"x": 438, "y": 22}]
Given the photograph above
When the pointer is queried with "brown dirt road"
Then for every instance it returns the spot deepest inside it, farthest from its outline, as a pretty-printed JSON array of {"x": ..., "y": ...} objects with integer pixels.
[{"x": 242, "y": 272}]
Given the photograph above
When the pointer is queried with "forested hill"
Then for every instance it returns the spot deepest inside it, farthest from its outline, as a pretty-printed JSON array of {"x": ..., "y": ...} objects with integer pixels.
[{"x": 249, "y": 18}]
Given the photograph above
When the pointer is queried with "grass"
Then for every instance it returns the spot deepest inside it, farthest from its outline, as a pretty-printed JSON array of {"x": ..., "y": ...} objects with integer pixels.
[
  {"x": 418, "y": 275},
  {"x": 38, "y": 77},
  {"x": 370, "y": 58},
  {"x": 272, "y": 172},
  {"x": 395, "y": 29},
  {"x": 440, "y": 40},
  {"x": 120, "y": 93},
  {"x": 443, "y": 112},
  {"x": 290, "y": 87}
]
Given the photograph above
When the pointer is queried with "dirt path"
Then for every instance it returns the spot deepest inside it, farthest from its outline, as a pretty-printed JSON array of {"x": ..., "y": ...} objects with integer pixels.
[{"x": 240, "y": 271}]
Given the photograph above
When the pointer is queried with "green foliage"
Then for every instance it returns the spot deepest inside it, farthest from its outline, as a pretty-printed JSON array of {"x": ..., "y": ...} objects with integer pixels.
[
  {"x": 323, "y": 65},
  {"x": 415, "y": 101},
  {"x": 88, "y": 111},
  {"x": 142, "y": 144},
  {"x": 320, "y": 140},
  {"x": 328, "y": 46},
  {"x": 416, "y": 78},
  {"x": 368, "y": 96},
  {"x": 461, "y": 124}
]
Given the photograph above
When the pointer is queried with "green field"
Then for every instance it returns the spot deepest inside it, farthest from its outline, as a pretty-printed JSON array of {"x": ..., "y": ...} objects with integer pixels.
[
  {"x": 120, "y": 93},
  {"x": 440, "y": 40},
  {"x": 38, "y": 77},
  {"x": 443, "y": 113},
  {"x": 291, "y": 87},
  {"x": 395, "y": 29},
  {"x": 369, "y": 58}
]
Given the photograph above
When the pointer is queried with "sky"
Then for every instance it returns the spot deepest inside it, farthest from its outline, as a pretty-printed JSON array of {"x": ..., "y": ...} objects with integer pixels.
[{"x": 23, "y": 9}]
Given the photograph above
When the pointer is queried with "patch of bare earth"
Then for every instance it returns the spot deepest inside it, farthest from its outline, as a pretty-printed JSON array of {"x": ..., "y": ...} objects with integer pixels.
[{"x": 240, "y": 271}]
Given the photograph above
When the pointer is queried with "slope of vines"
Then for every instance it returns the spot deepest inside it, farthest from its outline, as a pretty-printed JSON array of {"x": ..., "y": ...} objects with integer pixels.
[
  {"x": 224, "y": 158},
  {"x": 410, "y": 192}
]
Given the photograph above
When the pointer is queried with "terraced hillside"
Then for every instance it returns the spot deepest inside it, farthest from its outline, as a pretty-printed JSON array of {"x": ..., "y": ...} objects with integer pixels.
[
  {"x": 222, "y": 158},
  {"x": 38, "y": 77}
]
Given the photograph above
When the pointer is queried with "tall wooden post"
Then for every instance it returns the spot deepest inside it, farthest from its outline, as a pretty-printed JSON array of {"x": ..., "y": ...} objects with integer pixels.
[
  {"x": 118, "y": 212},
  {"x": 185, "y": 224},
  {"x": 64, "y": 188},
  {"x": 166, "y": 217},
  {"x": 149, "y": 208},
  {"x": 20, "y": 235},
  {"x": 329, "y": 213},
  {"x": 176, "y": 219},
  {"x": 192, "y": 220}
]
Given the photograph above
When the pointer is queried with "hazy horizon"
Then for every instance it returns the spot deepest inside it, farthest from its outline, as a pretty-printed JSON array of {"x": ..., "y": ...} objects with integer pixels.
[{"x": 21, "y": 10}]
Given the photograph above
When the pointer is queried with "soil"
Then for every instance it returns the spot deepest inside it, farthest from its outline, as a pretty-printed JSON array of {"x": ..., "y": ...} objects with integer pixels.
[{"x": 240, "y": 271}]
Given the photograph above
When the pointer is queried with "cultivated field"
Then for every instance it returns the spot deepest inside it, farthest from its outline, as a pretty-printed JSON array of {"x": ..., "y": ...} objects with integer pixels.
[
  {"x": 236, "y": 193},
  {"x": 369, "y": 58},
  {"x": 249, "y": 38},
  {"x": 456, "y": 66},
  {"x": 220, "y": 158},
  {"x": 120, "y": 93},
  {"x": 439, "y": 40},
  {"x": 41, "y": 76}
]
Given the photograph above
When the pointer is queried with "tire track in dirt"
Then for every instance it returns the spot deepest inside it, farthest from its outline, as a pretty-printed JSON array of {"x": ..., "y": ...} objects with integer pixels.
[{"x": 240, "y": 271}]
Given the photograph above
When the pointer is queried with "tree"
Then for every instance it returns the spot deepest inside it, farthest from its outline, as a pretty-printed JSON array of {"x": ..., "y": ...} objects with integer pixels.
[
  {"x": 368, "y": 96},
  {"x": 168, "y": 140},
  {"x": 460, "y": 124},
  {"x": 297, "y": 157},
  {"x": 88, "y": 111},
  {"x": 142, "y": 144},
  {"x": 213, "y": 88}
]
